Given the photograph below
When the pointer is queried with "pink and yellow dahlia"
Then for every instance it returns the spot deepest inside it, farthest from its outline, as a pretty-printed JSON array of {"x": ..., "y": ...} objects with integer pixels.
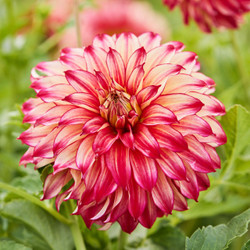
[
  {"x": 209, "y": 13},
  {"x": 129, "y": 122}
]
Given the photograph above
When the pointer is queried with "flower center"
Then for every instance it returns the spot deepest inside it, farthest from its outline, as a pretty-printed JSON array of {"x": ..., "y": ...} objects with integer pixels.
[{"x": 117, "y": 108}]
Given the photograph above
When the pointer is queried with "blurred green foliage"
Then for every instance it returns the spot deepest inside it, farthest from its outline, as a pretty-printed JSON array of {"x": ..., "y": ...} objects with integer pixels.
[{"x": 224, "y": 56}]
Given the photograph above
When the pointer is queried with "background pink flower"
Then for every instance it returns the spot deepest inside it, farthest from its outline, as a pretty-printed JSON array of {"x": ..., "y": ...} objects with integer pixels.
[
  {"x": 109, "y": 17},
  {"x": 209, "y": 13},
  {"x": 131, "y": 122}
]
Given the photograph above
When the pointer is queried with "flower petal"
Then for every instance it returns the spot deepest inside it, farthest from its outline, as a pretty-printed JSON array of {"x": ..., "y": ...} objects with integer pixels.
[
  {"x": 116, "y": 67},
  {"x": 149, "y": 40},
  {"x": 157, "y": 114},
  {"x": 136, "y": 59},
  {"x": 54, "y": 183},
  {"x": 144, "y": 170},
  {"x": 137, "y": 199},
  {"x": 169, "y": 138},
  {"x": 96, "y": 59},
  {"x": 146, "y": 142},
  {"x": 163, "y": 199},
  {"x": 193, "y": 124},
  {"x": 160, "y": 74},
  {"x": 104, "y": 140},
  {"x": 117, "y": 159},
  {"x": 82, "y": 81},
  {"x": 172, "y": 165},
  {"x": 85, "y": 155},
  {"x": 126, "y": 44},
  {"x": 85, "y": 100},
  {"x": 55, "y": 93},
  {"x": 181, "y": 104}
]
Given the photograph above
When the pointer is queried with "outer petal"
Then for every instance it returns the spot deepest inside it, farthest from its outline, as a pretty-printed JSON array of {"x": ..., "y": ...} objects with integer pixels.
[
  {"x": 160, "y": 74},
  {"x": 149, "y": 215},
  {"x": 76, "y": 116},
  {"x": 193, "y": 124},
  {"x": 149, "y": 40},
  {"x": 136, "y": 59},
  {"x": 104, "y": 41},
  {"x": 163, "y": 199},
  {"x": 32, "y": 115},
  {"x": 181, "y": 104},
  {"x": 96, "y": 59},
  {"x": 137, "y": 199},
  {"x": 144, "y": 170},
  {"x": 212, "y": 106},
  {"x": 85, "y": 100},
  {"x": 159, "y": 55},
  {"x": 117, "y": 159},
  {"x": 183, "y": 83},
  {"x": 66, "y": 158},
  {"x": 126, "y": 44},
  {"x": 105, "y": 184},
  {"x": 55, "y": 93},
  {"x": 67, "y": 135},
  {"x": 82, "y": 81},
  {"x": 172, "y": 165},
  {"x": 34, "y": 134},
  {"x": 54, "y": 183},
  {"x": 85, "y": 155},
  {"x": 197, "y": 157},
  {"x": 127, "y": 222}
]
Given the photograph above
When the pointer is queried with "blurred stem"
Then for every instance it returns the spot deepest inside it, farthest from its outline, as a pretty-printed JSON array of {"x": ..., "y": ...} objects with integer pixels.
[
  {"x": 77, "y": 20},
  {"x": 75, "y": 228},
  {"x": 122, "y": 240},
  {"x": 240, "y": 64},
  {"x": 33, "y": 199}
]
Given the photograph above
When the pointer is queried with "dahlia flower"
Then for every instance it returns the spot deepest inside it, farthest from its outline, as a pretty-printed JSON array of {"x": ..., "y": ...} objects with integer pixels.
[
  {"x": 129, "y": 123},
  {"x": 207, "y": 13},
  {"x": 115, "y": 16}
]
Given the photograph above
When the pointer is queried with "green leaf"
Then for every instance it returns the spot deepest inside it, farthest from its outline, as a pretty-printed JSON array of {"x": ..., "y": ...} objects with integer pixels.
[
  {"x": 236, "y": 124},
  {"x": 165, "y": 237},
  {"x": 219, "y": 237},
  {"x": 55, "y": 234},
  {"x": 246, "y": 246},
  {"x": 12, "y": 245}
]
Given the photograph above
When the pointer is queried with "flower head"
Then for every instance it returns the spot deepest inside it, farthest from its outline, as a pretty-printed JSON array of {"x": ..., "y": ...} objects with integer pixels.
[
  {"x": 208, "y": 14},
  {"x": 130, "y": 123}
]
